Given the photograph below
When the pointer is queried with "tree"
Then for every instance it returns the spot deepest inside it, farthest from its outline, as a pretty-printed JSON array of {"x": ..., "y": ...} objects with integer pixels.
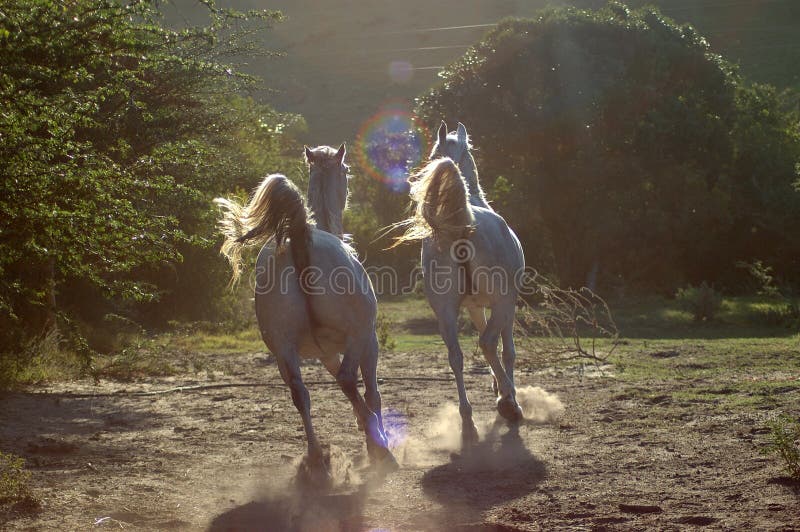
[
  {"x": 625, "y": 133},
  {"x": 115, "y": 133}
]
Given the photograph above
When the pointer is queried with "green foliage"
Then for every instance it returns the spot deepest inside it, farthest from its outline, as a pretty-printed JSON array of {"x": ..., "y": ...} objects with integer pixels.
[
  {"x": 784, "y": 441},
  {"x": 14, "y": 479},
  {"x": 632, "y": 150},
  {"x": 702, "y": 301},
  {"x": 116, "y": 133},
  {"x": 385, "y": 340},
  {"x": 762, "y": 276}
]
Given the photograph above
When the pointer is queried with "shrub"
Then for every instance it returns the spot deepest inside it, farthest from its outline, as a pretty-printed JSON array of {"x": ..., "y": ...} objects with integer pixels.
[
  {"x": 785, "y": 442},
  {"x": 385, "y": 340},
  {"x": 14, "y": 481},
  {"x": 702, "y": 301}
]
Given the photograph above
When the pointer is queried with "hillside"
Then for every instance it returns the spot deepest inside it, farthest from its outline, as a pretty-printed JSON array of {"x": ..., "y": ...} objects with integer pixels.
[{"x": 345, "y": 60}]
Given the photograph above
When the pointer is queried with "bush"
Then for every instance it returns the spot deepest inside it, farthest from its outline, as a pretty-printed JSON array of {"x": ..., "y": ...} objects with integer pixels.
[
  {"x": 786, "y": 314},
  {"x": 14, "y": 479},
  {"x": 785, "y": 442},
  {"x": 385, "y": 340},
  {"x": 702, "y": 301}
]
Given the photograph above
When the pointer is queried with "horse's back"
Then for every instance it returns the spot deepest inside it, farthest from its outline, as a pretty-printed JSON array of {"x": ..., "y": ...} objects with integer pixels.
[
  {"x": 494, "y": 262},
  {"x": 340, "y": 297},
  {"x": 495, "y": 244}
]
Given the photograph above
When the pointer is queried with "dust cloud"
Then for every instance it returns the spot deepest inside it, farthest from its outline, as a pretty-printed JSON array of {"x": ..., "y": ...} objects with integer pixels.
[
  {"x": 441, "y": 435},
  {"x": 538, "y": 406}
]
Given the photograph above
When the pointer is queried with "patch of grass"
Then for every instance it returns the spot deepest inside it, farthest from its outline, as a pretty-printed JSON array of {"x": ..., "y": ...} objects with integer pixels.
[
  {"x": 784, "y": 441},
  {"x": 245, "y": 340},
  {"x": 15, "y": 492},
  {"x": 43, "y": 360},
  {"x": 134, "y": 363},
  {"x": 736, "y": 317}
]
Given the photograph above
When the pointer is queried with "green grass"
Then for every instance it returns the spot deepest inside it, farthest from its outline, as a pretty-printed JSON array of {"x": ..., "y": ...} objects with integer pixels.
[
  {"x": 247, "y": 339},
  {"x": 734, "y": 348}
]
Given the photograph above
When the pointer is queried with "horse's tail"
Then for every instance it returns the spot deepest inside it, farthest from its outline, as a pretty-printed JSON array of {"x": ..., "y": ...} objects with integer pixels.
[
  {"x": 276, "y": 210},
  {"x": 442, "y": 203}
]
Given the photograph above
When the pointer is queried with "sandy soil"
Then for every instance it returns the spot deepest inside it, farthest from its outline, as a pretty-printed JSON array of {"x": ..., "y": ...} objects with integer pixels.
[{"x": 224, "y": 458}]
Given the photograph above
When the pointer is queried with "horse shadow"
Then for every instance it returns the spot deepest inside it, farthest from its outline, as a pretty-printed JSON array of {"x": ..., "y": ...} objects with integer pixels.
[
  {"x": 498, "y": 469},
  {"x": 296, "y": 508}
]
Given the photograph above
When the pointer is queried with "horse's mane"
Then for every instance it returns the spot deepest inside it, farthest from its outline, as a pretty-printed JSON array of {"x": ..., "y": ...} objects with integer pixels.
[{"x": 442, "y": 208}]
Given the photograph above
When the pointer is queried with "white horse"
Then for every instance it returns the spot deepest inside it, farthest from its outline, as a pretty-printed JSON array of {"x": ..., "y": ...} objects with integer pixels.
[
  {"x": 470, "y": 258},
  {"x": 313, "y": 297}
]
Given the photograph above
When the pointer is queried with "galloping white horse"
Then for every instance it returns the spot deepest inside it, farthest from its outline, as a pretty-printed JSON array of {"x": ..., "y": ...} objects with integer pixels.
[
  {"x": 470, "y": 258},
  {"x": 313, "y": 297}
]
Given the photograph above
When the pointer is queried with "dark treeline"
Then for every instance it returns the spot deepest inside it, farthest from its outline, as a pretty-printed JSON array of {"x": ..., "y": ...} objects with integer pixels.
[{"x": 625, "y": 153}]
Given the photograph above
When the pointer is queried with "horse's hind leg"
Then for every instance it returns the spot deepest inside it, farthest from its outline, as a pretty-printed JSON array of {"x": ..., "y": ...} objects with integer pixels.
[
  {"x": 448, "y": 327},
  {"x": 289, "y": 366},
  {"x": 347, "y": 377},
  {"x": 506, "y": 403}
]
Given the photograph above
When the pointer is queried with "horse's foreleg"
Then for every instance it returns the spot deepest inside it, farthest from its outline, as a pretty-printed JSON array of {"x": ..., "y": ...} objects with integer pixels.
[
  {"x": 509, "y": 351},
  {"x": 369, "y": 372},
  {"x": 289, "y": 366},
  {"x": 448, "y": 327},
  {"x": 332, "y": 364},
  {"x": 478, "y": 317}
]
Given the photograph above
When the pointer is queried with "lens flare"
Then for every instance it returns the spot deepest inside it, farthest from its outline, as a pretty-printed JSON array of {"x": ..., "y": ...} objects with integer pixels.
[
  {"x": 396, "y": 426},
  {"x": 390, "y": 144},
  {"x": 401, "y": 71}
]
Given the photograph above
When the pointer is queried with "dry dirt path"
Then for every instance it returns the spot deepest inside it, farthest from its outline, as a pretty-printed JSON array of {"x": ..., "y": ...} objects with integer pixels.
[{"x": 223, "y": 458}]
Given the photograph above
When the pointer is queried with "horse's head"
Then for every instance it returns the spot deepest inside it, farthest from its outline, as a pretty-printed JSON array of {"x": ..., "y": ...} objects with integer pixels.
[
  {"x": 454, "y": 144},
  {"x": 327, "y": 185}
]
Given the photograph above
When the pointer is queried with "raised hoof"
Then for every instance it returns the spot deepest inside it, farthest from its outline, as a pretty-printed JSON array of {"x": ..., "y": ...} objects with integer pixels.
[
  {"x": 509, "y": 409},
  {"x": 469, "y": 435}
]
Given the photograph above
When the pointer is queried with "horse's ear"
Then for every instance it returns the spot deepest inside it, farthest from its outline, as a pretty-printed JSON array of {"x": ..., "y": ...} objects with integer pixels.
[
  {"x": 309, "y": 154},
  {"x": 462, "y": 134},
  {"x": 442, "y": 134},
  {"x": 340, "y": 153}
]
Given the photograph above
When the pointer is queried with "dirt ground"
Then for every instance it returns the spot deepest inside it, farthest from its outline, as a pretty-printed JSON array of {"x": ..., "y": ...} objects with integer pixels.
[{"x": 223, "y": 458}]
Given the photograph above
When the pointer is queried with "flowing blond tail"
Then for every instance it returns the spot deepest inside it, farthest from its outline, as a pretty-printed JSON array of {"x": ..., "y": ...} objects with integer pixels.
[
  {"x": 442, "y": 205},
  {"x": 276, "y": 210}
]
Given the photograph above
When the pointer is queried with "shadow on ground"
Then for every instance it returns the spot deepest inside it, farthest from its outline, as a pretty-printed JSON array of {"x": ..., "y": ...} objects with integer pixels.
[
  {"x": 295, "y": 511},
  {"x": 499, "y": 469}
]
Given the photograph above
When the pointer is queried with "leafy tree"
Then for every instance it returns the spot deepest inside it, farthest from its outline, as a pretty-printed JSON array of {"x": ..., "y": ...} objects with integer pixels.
[
  {"x": 625, "y": 143},
  {"x": 115, "y": 132}
]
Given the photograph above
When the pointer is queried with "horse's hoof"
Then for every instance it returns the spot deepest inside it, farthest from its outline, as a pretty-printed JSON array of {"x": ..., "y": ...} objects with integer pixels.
[
  {"x": 315, "y": 473},
  {"x": 509, "y": 409},
  {"x": 469, "y": 435},
  {"x": 387, "y": 463}
]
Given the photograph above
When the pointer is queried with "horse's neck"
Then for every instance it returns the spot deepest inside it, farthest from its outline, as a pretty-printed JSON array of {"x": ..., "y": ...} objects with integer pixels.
[
  {"x": 470, "y": 173},
  {"x": 326, "y": 219}
]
